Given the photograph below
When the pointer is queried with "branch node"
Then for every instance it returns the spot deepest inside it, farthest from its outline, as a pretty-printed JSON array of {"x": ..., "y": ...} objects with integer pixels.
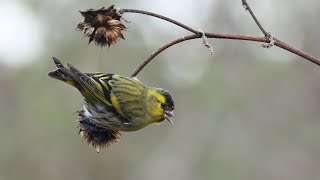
[
  {"x": 135, "y": 78},
  {"x": 244, "y": 4},
  {"x": 205, "y": 41},
  {"x": 271, "y": 41},
  {"x": 119, "y": 11}
]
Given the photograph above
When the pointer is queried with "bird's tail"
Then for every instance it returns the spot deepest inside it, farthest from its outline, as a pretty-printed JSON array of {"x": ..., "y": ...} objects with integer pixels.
[
  {"x": 60, "y": 74},
  {"x": 88, "y": 87}
]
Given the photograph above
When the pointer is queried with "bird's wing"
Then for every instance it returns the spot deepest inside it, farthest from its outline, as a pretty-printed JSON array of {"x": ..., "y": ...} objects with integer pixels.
[
  {"x": 90, "y": 83},
  {"x": 128, "y": 96},
  {"x": 124, "y": 96}
]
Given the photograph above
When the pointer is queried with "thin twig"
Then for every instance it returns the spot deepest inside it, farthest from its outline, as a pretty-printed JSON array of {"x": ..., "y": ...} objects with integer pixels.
[
  {"x": 159, "y": 16},
  {"x": 162, "y": 48},
  {"x": 247, "y": 7},
  {"x": 226, "y": 36},
  {"x": 266, "y": 34}
]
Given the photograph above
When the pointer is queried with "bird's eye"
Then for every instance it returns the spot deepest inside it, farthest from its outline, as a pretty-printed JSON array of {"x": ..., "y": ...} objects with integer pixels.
[{"x": 163, "y": 105}]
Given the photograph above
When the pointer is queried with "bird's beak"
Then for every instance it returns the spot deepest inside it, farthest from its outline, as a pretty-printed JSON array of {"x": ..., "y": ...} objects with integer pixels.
[{"x": 169, "y": 116}]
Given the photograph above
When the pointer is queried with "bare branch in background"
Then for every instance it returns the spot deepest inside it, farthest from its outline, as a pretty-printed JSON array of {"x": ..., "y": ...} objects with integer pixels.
[
  {"x": 101, "y": 15},
  {"x": 268, "y": 40},
  {"x": 226, "y": 36}
]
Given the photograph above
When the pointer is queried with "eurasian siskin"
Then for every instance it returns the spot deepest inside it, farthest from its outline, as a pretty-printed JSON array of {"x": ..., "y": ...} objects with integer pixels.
[{"x": 114, "y": 103}]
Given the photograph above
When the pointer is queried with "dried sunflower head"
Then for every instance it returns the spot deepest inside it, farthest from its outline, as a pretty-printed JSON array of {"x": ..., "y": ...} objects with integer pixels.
[{"x": 103, "y": 26}]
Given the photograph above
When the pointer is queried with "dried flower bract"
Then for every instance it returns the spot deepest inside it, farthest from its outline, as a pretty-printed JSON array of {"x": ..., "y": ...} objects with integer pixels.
[{"x": 103, "y": 26}]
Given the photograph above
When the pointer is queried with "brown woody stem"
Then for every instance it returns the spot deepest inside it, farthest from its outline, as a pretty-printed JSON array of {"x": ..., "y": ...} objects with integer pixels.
[
  {"x": 160, "y": 17},
  {"x": 198, "y": 34},
  {"x": 226, "y": 36}
]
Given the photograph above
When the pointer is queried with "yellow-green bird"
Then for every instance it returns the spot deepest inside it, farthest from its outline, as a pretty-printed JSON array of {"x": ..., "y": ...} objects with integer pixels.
[{"x": 114, "y": 103}]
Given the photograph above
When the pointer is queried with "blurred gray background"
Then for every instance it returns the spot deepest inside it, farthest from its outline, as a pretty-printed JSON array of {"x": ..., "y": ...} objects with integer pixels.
[{"x": 245, "y": 113}]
